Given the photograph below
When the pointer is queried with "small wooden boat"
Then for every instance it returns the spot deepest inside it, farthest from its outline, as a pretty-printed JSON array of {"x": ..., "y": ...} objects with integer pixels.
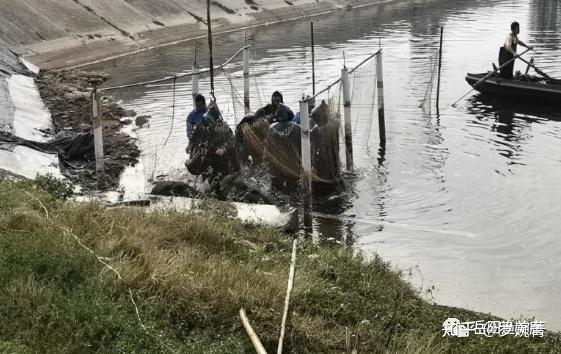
[{"x": 527, "y": 87}]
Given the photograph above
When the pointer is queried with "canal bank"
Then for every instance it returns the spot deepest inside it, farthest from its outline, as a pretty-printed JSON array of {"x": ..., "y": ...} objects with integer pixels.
[
  {"x": 173, "y": 282},
  {"x": 62, "y": 34}
]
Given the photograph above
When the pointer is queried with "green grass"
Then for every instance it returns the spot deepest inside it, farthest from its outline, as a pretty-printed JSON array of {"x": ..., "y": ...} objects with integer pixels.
[{"x": 190, "y": 274}]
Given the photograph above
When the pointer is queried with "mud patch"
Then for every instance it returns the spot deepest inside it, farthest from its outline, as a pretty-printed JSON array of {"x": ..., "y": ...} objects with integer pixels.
[{"x": 67, "y": 94}]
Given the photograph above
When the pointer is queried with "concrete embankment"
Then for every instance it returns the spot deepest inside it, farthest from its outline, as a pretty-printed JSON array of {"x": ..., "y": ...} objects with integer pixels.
[
  {"x": 22, "y": 115},
  {"x": 63, "y": 33}
]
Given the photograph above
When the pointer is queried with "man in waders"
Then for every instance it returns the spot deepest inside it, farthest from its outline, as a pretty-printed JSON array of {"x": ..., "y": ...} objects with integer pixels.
[{"x": 508, "y": 51}]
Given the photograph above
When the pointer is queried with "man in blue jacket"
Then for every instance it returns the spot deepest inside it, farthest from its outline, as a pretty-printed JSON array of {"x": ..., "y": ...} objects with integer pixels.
[{"x": 196, "y": 116}]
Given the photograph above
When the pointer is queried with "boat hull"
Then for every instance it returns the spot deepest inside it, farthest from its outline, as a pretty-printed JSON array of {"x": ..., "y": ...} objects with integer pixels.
[{"x": 530, "y": 91}]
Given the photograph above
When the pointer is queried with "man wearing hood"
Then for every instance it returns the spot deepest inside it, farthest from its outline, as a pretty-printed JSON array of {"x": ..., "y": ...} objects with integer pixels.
[
  {"x": 196, "y": 116},
  {"x": 269, "y": 110},
  {"x": 283, "y": 119},
  {"x": 213, "y": 149}
]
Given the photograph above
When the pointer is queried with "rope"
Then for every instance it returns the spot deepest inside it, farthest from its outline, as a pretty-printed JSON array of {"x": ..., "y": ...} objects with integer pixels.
[
  {"x": 235, "y": 93},
  {"x": 144, "y": 83},
  {"x": 352, "y": 103},
  {"x": 371, "y": 117},
  {"x": 170, "y": 131},
  {"x": 172, "y": 111},
  {"x": 261, "y": 95},
  {"x": 428, "y": 92}
]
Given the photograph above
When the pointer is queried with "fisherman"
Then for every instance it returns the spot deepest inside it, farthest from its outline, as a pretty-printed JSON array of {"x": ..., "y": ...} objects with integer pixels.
[
  {"x": 508, "y": 51},
  {"x": 269, "y": 110},
  {"x": 283, "y": 122},
  {"x": 213, "y": 152},
  {"x": 282, "y": 150},
  {"x": 196, "y": 116},
  {"x": 311, "y": 104},
  {"x": 257, "y": 125},
  {"x": 324, "y": 138}
]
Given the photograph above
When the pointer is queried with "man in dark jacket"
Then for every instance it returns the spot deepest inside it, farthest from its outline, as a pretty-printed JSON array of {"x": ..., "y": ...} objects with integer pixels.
[
  {"x": 268, "y": 111},
  {"x": 213, "y": 152},
  {"x": 283, "y": 119}
]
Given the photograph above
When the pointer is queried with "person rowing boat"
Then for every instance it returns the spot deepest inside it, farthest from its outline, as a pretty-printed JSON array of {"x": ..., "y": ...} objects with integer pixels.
[{"x": 508, "y": 51}]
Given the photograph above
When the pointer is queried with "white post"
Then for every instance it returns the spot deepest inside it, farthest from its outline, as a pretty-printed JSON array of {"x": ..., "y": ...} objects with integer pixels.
[
  {"x": 347, "y": 113},
  {"x": 98, "y": 138},
  {"x": 247, "y": 109},
  {"x": 380, "y": 85},
  {"x": 195, "y": 82},
  {"x": 306, "y": 164}
]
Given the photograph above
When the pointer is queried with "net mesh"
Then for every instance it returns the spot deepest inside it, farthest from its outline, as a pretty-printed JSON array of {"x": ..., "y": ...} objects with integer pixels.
[{"x": 233, "y": 143}]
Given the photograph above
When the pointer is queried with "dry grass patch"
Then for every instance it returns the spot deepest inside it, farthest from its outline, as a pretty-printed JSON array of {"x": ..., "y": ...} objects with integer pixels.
[{"x": 190, "y": 275}]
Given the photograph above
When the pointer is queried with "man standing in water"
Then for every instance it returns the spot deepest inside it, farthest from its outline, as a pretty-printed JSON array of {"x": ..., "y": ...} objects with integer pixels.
[
  {"x": 508, "y": 51},
  {"x": 196, "y": 116}
]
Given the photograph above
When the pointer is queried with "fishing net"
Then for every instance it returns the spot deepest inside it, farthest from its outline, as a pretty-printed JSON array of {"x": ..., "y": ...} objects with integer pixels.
[
  {"x": 364, "y": 107},
  {"x": 236, "y": 143},
  {"x": 428, "y": 99},
  {"x": 158, "y": 121}
]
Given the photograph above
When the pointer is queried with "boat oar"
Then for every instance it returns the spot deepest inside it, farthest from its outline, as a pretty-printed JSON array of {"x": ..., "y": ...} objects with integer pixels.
[
  {"x": 530, "y": 63},
  {"x": 487, "y": 76}
]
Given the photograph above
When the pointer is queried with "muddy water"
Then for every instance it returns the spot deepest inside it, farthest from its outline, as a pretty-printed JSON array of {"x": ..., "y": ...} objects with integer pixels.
[{"x": 469, "y": 199}]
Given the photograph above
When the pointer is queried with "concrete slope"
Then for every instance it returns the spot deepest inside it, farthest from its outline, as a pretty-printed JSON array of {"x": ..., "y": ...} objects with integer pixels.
[{"x": 68, "y": 33}]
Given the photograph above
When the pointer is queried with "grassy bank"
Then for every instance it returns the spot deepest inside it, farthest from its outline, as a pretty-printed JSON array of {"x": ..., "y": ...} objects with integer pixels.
[{"x": 190, "y": 274}]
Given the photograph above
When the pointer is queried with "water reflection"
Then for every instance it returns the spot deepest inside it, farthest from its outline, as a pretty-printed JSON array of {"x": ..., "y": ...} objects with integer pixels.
[
  {"x": 472, "y": 190},
  {"x": 545, "y": 17}
]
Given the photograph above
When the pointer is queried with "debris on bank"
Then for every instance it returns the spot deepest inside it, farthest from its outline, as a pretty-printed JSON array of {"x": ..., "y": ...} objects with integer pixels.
[{"x": 67, "y": 94}]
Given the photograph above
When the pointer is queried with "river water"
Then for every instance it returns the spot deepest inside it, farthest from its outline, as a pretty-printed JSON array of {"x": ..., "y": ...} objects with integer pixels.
[{"x": 469, "y": 199}]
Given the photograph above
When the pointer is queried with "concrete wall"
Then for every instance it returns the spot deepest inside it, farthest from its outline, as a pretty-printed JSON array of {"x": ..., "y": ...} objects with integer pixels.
[{"x": 66, "y": 33}]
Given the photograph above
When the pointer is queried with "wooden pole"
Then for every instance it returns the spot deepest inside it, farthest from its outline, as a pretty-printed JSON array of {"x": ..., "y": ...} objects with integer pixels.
[
  {"x": 380, "y": 86},
  {"x": 251, "y": 333},
  {"x": 195, "y": 77},
  {"x": 211, "y": 63},
  {"x": 529, "y": 66},
  {"x": 347, "y": 113},
  {"x": 246, "y": 104},
  {"x": 531, "y": 63},
  {"x": 195, "y": 82},
  {"x": 288, "y": 293},
  {"x": 306, "y": 164},
  {"x": 313, "y": 60},
  {"x": 439, "y": 68},
  {"x": 98, "y": 138}
]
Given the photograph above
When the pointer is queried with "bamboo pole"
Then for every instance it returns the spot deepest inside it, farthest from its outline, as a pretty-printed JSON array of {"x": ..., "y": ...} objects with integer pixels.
[
  {"x": 530, "y": 64},
  {"x": 288, "y": 293},
  {"x": 195, "y": 82},
  {"x": 306, "y": 164},
  {"x": 347, "y": 115},
  {"x": 211, "y": 63},
  {"x": 380, "y": 86},
  {"x": 251, "y": 333},
  {"x": 313, "y": 59},
  {"x": 439, "y": 68},
  {"x": 98, "y": 138},
  {"x": 246, "y": 104}
]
